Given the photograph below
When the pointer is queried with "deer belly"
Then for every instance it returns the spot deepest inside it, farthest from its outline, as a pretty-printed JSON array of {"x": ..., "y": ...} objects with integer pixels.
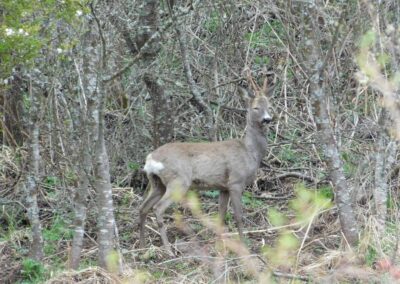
[{"x": 202, "y": 185}]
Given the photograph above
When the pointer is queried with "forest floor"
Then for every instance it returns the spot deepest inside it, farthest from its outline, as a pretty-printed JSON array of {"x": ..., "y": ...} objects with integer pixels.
[{"x": 281, "y": 246}]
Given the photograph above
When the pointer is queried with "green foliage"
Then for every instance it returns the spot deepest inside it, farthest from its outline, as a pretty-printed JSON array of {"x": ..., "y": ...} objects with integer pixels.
[
  {"x": 127, "y": 198},
  {"x": 391, "y": 202},
  {"x": 57, "y": 231},
  {"x": 326, "y": 191},
  {"x": 350, "y": 164},
  {"x": 228, "y": 217},
  {"x": 113, "y": 261},
  {"x": 27, "y": 26},
  {"x": 51, "y": 180},
  {"x": 133, "y": 166},
  {"x": 308, "y": 203},
  {"x": 371, "y": 256},
  {"x": 10, "y": 220},
  {"x": 249, "y": 200},
  {"x": 211, "y": 193},
  {"x": 150, "y": 254},
  {"x": 276, "y": 218},
  {"x": 32, "y": 271},
  {"x": 266, "y": 34},
  {"x": 212, "y": 24},
  {"x": 265, "y": 37},
  {"x": 71, "y": 176},
  {"x": 87, "y": 262},
  {"x": 287, "y": 154},
  {"x": 368, "y": 39}
]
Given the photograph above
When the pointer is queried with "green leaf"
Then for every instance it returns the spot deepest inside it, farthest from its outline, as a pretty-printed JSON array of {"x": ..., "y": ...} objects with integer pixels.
[{"x": 276, "y": 218}]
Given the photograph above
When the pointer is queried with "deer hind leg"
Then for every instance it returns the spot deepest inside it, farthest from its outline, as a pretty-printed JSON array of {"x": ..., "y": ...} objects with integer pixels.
[
  {"x": 157, "y": 191},
  {"x": 176, "y": 189},
  {"x": 235, "y": 194}
]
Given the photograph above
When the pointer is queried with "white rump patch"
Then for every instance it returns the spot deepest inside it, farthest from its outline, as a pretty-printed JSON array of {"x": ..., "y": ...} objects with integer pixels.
[{"x": 153, "y": 166}]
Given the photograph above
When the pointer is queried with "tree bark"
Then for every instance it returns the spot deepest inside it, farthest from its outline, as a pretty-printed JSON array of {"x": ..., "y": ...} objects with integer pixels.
[
  {"x": 385, "y": 156},
  {"x": 80, "y": 198},
  {"x": 320, "y": 103},
  {"x": 94, "y": 151},
  {"x": 162, "y": 114},
  {"x": 13, "y": 112},
  {"x": 32, "y": 177},
  {"x": 163, "y": 123},
  {"x": 105, "y": 220},
  {"x": 197, "y": 99},
  {"x": 334, "y": 163}
]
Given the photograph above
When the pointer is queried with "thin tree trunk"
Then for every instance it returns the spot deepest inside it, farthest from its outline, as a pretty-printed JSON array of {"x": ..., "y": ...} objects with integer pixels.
[
  {"x": 146, "y": 41},
  {"x": 13, "y": 111},
  {"x": 197, "y": 99},
  {"x": 316, "y": 71},
  {"x": 108, "y": 233},
  {"x": 80, "y": 203},
  {"x": 163, "y": 123},
  {"x": 384, "y": 158},
  {"x": 31, "y": 183},
  {"x": 380, "y": 189},
  {"x": 332, "y": 158}
]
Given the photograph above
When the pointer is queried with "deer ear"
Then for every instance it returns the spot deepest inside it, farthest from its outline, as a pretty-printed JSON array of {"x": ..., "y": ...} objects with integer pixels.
[
  {"x": 269, "y": 85},
  {"x": 246, "y": 93},
  {"x": 269, "y": 91}
]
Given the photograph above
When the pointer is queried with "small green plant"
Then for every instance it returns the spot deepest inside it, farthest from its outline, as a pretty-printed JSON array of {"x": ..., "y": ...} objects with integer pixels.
[
  {"x": 50, "y": 248},
  {"x": 51, "y": 180},
  {"x": 126, "y": 198},
  {"x": 370, "y": 256},
  {"x": 349, "y": 166},
  {"x": 326, "y": 191},
  {"x": 307, "y": 205},
  {"x": 287, "y": 154},
  {"x": 228, "y": 217},
  {"x": 32, "y": 271},
  {"x": 57, "y": 231},
  {"x": 249, "y": 200},
  {"x": 133, "y": 166},
  {"x": 211, "y": 193},
  {"x": 266, "y": 35},
  {"x": 213, "y": 22}
]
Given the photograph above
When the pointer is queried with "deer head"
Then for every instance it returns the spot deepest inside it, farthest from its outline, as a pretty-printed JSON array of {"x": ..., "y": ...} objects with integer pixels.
[{"x": 258, "y": 104}]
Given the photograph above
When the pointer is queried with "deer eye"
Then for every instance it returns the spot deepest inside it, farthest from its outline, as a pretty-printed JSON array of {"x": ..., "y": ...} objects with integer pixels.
[{"x": 256, "y": 108}]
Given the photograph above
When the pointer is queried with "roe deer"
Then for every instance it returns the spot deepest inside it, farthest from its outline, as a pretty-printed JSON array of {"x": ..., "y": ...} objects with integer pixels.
[{"x": 228, "y": 166}]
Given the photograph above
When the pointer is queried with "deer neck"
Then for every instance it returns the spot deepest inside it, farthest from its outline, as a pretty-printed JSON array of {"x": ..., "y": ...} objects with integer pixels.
[{"x": 255, "y": 142}]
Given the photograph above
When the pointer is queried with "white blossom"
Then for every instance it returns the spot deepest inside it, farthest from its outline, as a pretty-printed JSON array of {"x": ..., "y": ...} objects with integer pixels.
[
  {"x": 9, "y": 32},
  {"x": 79, "y": 13},
  {"x": 59, "y": 50}
]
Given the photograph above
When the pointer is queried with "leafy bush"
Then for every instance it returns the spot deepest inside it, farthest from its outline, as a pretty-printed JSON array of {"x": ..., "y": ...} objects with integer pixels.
[{"x": 32, "y": 271}]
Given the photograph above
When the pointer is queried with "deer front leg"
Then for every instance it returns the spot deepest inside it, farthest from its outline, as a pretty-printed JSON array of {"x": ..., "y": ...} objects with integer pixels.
[
  {"x": 223, "y": 204},
  {"x": 236, "y": 196}
]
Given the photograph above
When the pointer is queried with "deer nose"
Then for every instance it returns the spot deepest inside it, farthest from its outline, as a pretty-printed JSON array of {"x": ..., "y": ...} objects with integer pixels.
[{"x": 266, "y": 118}]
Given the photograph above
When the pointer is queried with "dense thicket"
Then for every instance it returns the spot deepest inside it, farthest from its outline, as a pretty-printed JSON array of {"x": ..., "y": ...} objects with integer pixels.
[{"x": 88, "y": 88}]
